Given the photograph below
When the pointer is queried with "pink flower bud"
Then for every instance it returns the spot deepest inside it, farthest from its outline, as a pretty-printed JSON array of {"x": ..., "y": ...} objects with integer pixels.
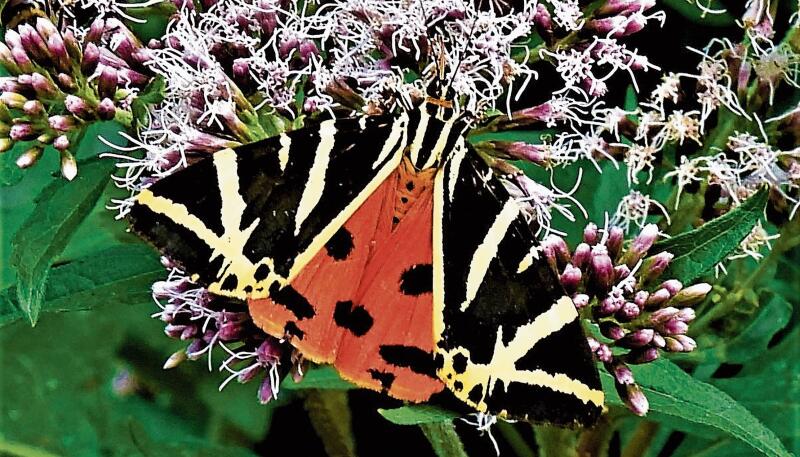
[
  {"x": 637, "y": 339},
  {"x": 621, "y": 272},
  {"x": 78, "y": 107},
  {"x": 641, "y": 244},
  {"x": 61, "y": 123},
  {"x": 691, "y": 295},
  {"x": 675, "y": 327},
  {"x": 641, "y": 298},
  {"x": 601, "y": 269},
  {"x": 655, "y": 265},
  {"x": 657, "y": 298},
  {"x": 106, "y": 110},
  {"x": 96, "y": 30},
  {"x": 29, "y": 157},
  {"x": 641, "y": 355},
  {"x": 195, "y": 349},
  {"x": 658, "y": 341},
  {"x": 603, "y": 353},
  {"x": 688, "y": 344},
  {"x": 581, "y": 256},
  {"x": 12, "y": 38},
  {"x": 590, "y": 234},
  {"x": 33, "y": 108},
  {"x": 107, "y": 82},
  {"x": 571, "y": 278},
  {"x": 58, "y": 51},
  {"x": 673, "y": 286},
  {"x": 634, "y": 399},
  {"x": 72, "y": 45},
  {"x": 523, "y": 151},
  {"x": 23, "y": 132},
  {"x": 611, "y": 330},
  {"x": 662, "y": 315},
  {"x": 91, "y": 57},
  {"x": 580, "y": 300},
  {"x": 628, "y": 312},
  {"x": 542, "y": 18},
  {"x": 43, "y": 86},
  {"x": 622, "y": 374},
  {"x": 22, "y": 60},
  {"x": 269, "y": 351},
  {"x": 306, "y": 50},
  {"x": 61, "y": 143},
  {"x": 65, "y": 82},
  {"x": 7, "y": 60},
  {"x": 614, "y": 241}
]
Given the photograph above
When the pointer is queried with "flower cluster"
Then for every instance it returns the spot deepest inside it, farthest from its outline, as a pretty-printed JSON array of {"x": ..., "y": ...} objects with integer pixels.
[
  {"x": 621, "y": 289},
  {"x": 60, "y": 84},
  {"x": 208, "y": 322}
]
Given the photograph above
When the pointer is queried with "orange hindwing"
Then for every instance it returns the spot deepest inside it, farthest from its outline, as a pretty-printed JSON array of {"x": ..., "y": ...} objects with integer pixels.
[{"x": 364, "y": 302}]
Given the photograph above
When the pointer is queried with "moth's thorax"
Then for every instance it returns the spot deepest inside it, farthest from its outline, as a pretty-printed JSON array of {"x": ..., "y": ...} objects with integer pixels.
[
  {"x": 433, "y": 133},
  {"x": 411, "y": 184}
]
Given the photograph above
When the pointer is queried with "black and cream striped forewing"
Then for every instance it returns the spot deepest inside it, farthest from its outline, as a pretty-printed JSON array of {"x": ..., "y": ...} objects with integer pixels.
[
  {"x": 250, "y": 217},
  {"x": 509, "y": 341}
]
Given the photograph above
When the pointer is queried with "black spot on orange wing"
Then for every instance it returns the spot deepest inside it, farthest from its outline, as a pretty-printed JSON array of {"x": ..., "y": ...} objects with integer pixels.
[
  {"x": 292, "y": 330},
  {"x": 385, "y": 378},
  {"x": 340, "y": 245},
  {"x": 230, "y": 283},
  {"x": 410, "y": 357},
  {"x": 292, "y": 300},
  {"x": 417, "y": 280},
  {"x": 353, "y": 318}
]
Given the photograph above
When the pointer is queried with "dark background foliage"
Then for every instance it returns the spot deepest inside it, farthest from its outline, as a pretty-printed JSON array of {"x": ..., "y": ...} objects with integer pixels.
[{"x": 87, "y": 379}]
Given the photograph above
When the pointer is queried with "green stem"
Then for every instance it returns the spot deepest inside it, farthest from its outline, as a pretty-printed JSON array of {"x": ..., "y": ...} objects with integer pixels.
[
  {"x": 515, "y": 440},
  {"x": 594, "y": 441},
  {"x": 641, "y": 440},
  {"x": 790, "y": 238},
  {"x": 556, "y": 442}
]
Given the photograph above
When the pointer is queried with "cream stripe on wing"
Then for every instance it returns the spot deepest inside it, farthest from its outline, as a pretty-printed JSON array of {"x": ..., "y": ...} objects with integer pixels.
[
  {"x": 440, "y": 144},
  {"x": 283, "y": 152},
  {"x": 419, "y": 135},
  {"x": 455, "y": 165},
  {"x": 487, "y": 250},
  {"x": 438, "y": 256},
  {"x": 315, "y": 185},
  {"x": 399, "y": 128}
]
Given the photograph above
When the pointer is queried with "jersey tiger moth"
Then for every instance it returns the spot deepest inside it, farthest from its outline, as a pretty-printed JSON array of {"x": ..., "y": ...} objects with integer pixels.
[{"x": 386, "y": 246}]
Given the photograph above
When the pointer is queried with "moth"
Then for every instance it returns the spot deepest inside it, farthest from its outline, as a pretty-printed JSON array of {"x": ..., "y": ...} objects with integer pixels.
[{"x": 384, "y": 245}]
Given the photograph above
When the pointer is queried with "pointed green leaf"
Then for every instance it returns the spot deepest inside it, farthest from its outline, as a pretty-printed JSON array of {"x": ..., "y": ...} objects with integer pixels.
[
  {"x": 691, "y": 405},
  {"x": 418, "y": 414},
  {"x": 117, "y": 276},
  {"x": 60, "y": 208},
  {"x": 698, "y": 251},
  {"x": 444, "y": 439}
]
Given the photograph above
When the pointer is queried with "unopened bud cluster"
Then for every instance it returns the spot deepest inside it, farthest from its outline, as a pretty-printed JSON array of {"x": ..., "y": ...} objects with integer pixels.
[
  {"x": 59, "y": 85},
  {"x": 620, "y": 286}
]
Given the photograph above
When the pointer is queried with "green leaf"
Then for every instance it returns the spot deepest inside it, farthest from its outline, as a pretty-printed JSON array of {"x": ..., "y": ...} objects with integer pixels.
[
  {"x": 688, "y": 404},
  {"x": 418, "y": 414},
  {"x": 120, "y": 275},
  {"x": 697, "y": 251},
  {"x": 444, "y": 439},
  {"x": 323, "y": 378},
  {"x": 152, "y": 94},
  {"x": 60, "y": 208}
]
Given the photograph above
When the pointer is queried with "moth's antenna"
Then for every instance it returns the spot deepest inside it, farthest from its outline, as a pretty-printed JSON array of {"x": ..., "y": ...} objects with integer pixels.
[{"x": 461, "y": 53}]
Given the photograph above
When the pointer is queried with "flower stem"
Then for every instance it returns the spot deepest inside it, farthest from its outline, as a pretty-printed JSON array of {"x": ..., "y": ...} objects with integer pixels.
[
  {"x": 556, "y": 442},
  {"x": 515, "y": 440},
  {"x": 641, "y": 440}
]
